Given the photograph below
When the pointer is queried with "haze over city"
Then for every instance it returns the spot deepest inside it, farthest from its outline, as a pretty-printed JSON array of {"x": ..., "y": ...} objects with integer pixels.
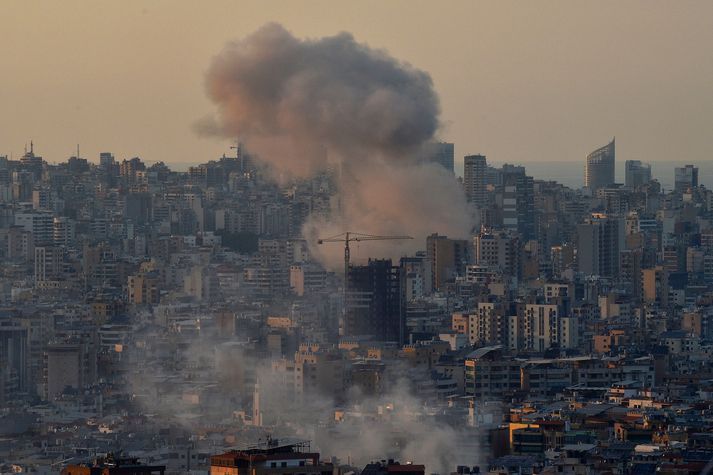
[
  {"x": 367, "y": 238},
  {"x": 540, "y": 81}
]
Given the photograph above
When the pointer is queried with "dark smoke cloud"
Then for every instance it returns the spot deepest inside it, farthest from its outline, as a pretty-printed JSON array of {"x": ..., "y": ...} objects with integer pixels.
[{"x": 303, "y": 105}]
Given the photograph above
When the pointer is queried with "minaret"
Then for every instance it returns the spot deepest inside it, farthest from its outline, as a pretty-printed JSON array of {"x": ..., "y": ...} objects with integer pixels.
[{"x": 257, "y": 415}]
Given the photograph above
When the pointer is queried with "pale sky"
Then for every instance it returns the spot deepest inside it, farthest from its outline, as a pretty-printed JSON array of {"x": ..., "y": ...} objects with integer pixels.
[{"x": 518, "y": 81}]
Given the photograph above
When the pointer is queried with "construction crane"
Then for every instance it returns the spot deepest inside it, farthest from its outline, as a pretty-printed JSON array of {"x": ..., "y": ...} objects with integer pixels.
[
  {"x": 238, "y": 147},
  {"x": 348, "y": 237}
]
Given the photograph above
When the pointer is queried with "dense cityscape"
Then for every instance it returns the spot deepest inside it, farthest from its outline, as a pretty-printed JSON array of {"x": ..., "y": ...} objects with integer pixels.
[
  {"x": 172, "y": 316},
  {"x": 329, "y": 261}
]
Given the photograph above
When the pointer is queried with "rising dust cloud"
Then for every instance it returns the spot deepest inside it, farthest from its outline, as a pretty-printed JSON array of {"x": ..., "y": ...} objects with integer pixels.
[
  {"x": 305, "y": 106},
  {"x": 334, "y": 105}
]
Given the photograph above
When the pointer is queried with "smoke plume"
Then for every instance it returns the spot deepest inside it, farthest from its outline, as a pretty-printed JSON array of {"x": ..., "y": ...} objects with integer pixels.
[
  {"x": 395, "y": 423},
  {"x": 305, "y": 106}
]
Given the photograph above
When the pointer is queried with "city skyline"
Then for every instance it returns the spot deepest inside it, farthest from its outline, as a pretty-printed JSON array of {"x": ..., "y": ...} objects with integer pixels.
[
  {"x": 397, "y": 238},
  {"x": 137, "y": 93}
]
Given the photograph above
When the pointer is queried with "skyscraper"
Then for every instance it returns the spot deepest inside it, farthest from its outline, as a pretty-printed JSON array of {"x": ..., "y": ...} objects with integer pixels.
[
  {"x": 686, "y": 177},
  {"x": 599, "y": 169},
  {"x": 475, "y": 169},
  {"x": 441, "y": 153},
  {"x": 374, "y": 303},
  {"x": 636, "y": 173},
  {"x": 518, "y": 202}
]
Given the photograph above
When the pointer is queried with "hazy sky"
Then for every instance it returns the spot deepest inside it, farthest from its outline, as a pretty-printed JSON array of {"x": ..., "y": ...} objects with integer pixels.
[{"x": 518, "y": 81}]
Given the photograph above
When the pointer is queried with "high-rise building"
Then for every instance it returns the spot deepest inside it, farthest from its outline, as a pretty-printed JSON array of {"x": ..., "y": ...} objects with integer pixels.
[
  {"x": 487, "y": 325},
  {"x": 64, "y": 231},
  {"x": 109, "y": 168},
  {"x": 318, "y": 370},
  {"x": 41, "y": 199},
  {"x": 207, "y": 175},
  {"x": 201, "y": 282},
  {"x": 48, "y": 263},
  {"x": 636, "y": 173},
  {"x": 416, "y": 277},
  {"x": 130, "y": 169},
  {"x": 541, "y": 326},
  {"x": 562, "y": 258},
  {"x": 599, "y": 169},
  {"x": 448, "y": 258},
  {"x": 490, "y": 373},
  {"x": 68, "y": 365},
  {"x": 518, "y": 202},
  {"x": 20, "y": 244},
  {"x": 475, "y": 169},
  {"x": 307, "y": 278},
  {"x": 441, "y": 153},
  {"x": 374, "y": 302},
  {"x": 14, "y": 354},
  {"x": 654, "y": 285},
  {"x": 41, "y": 225},
  {"x": 70, "y": 359},
  {"x": 630, "y": 271},
  {"x": 686, "y": 177},
  {"x": 499, "y": 251},
  {"x": 143, "y": 288},
  {"x": 599, "y": 240},
  {"x": 32, "y": 163},
  {"x": 106, "y": 160},
  {"x": 137, "y": 207}
]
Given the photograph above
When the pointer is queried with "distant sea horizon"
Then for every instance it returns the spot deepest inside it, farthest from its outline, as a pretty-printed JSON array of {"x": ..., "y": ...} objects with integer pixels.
[{"x": 571, "y": 174}]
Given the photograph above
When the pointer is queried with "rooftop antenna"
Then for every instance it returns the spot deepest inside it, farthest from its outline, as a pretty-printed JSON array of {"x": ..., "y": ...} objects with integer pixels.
[{"x": 32, "y": 147}]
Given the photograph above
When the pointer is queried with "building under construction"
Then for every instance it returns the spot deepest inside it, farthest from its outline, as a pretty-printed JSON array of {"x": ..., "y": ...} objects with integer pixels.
[{"x": 374, "y": 304}]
